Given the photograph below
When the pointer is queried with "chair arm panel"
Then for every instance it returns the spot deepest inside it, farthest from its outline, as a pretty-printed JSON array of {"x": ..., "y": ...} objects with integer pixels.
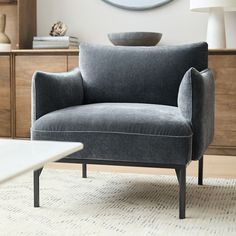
[
  {"x": 54, "y": 91},
  {"x": 196, "y": 101}
]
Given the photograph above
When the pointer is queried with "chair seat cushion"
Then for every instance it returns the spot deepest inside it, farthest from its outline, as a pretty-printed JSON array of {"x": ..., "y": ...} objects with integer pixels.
[{"x": 121, "y": 132}]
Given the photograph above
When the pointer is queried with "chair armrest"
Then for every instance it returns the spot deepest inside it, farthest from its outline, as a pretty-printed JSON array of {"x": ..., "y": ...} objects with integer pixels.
[
  {"x": 196, "y": 100},
  {"x": 54, "y": 91}
]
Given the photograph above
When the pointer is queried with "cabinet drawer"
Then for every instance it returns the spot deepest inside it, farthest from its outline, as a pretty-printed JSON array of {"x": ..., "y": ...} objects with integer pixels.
[
  {"x": 73, "y": 62},
  {"x": 224, "y": 67},
  {"x": 225, "y": 120},
  {"x": 25, "y": 66}
]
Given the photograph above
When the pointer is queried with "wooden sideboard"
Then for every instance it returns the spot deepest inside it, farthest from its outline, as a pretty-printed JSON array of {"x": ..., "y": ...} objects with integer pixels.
[
  {"x": 16, "y": 70},
  {"x": 223, "y": 63},
  {"x": 25, "y": 63},
  {"x": 18, "y": 67}
]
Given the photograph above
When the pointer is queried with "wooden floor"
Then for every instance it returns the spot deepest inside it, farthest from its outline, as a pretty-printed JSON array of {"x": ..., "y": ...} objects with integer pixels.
[{"x": 214, "y": 166}]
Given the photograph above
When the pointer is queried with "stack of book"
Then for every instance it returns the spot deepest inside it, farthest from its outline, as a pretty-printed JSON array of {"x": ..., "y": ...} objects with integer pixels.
[{"x": 55, "y": 42}]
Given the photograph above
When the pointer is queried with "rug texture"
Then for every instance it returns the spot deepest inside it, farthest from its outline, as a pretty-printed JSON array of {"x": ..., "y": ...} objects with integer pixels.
[{"x": 116, "y": 204}]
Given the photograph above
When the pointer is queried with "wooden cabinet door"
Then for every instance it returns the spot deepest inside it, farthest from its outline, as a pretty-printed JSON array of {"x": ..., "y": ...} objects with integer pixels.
[
  {"x": 224, "y": 67},
  {"x": 25, "y": 66},
  {"x": 5, "y": 110},
  {"x": 73, "y": 62}
]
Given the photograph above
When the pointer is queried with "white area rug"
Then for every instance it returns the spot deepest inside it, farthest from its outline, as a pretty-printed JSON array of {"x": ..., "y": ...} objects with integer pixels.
[{"x": 116, "y": 204}]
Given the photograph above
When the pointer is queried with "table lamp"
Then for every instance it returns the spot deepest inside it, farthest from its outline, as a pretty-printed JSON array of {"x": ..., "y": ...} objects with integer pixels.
[{"x": 216, "y": 38}]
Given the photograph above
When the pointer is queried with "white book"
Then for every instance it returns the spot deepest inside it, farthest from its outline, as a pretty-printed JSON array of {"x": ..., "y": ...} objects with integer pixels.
[
  {"x": 54, "y": 47},
  {"x": 53, "y": 43},
  {"x": 56, "y": 38}
]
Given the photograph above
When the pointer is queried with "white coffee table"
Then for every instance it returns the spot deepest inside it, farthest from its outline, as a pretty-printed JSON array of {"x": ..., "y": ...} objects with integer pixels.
[{"x": 20, "y": 156}]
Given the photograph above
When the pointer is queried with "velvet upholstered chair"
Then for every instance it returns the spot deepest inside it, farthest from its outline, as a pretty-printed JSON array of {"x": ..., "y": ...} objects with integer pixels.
[{"x": 132, "y": 106}]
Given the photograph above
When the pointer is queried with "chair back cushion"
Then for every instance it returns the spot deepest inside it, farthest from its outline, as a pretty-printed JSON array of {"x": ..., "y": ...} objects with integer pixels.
[{"x": 138, "y": 74}]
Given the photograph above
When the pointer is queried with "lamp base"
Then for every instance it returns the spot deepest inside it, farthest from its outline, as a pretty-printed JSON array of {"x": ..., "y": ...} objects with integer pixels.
[
  {"x": 5, "y": 47},
  {"x": 216, "y": 29}
]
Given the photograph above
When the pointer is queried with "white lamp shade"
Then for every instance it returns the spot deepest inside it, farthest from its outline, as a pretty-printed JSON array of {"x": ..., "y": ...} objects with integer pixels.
[{"x": 206, "y": 5}]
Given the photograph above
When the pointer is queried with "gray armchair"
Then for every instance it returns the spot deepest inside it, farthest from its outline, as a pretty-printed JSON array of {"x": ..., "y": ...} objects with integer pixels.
[{"x": 135, "y": 106}]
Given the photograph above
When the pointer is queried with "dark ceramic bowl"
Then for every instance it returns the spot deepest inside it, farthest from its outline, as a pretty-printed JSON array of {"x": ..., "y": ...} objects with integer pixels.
[{"x": 135, "y": 38}]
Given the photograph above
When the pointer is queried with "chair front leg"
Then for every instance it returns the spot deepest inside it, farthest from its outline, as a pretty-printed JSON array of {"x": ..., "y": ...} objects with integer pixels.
[
  {"x": 36, "y": 186},
  {"x": 200, "y": 171},
  {"x": 181, "y": 175}
]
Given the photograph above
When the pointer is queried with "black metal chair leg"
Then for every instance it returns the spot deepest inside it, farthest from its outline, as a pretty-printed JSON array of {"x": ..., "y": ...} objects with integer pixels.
[
  {"x": 181, "y": 175},
  {"x": 200, "y": 171},
  {"x": 84, "y": 170},
  {"x": 177, "y": 174},
  {"x": 36, "y": 186}
]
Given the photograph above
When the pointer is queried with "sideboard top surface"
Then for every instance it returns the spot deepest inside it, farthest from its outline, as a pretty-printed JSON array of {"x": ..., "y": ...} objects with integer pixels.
[
  {"x": 76, "y": 51},
  {"x": 45, "y": 51}
]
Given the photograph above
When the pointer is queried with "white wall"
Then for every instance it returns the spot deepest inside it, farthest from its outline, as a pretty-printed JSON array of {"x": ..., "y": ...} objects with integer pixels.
[{"x": 91, "y": 20}]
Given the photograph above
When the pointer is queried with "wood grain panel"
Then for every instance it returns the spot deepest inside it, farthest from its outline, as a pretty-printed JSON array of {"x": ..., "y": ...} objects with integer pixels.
[
  {"x": 222, "y": 61},
  {"x": 225, "y": 117},
  {"x": 73, "y": 62},
  {"x": 25, "y": 66},
  {"x": 224, "y": 67},
  {"x": 26, "y": 22},
  {"x": 221, "y": 150},
  {"x": 225, "y": 80},
  {"x": 225, "y": 138},
  {"x": 5, "y": 113}
]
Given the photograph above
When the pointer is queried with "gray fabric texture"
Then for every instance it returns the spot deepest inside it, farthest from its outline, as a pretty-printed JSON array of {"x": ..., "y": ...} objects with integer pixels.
[
  {"x": 130, "y": 118},
  {"x": 138, "y": 74},
  {"x": 196, "y": 102},
  {"x": 53, "y": 91},
  {"x": 121, "y": 131},
  {"x": 122, "y": 147}
]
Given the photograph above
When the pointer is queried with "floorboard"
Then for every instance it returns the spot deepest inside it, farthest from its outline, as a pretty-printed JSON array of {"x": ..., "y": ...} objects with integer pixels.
[{"x": 214, "y": 166}]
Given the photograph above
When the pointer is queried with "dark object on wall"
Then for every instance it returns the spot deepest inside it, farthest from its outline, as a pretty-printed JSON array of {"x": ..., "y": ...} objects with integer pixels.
[
  {"x": 137, "y": 5},
  {"x": 137, "y": 106},
  {"x": 135, "y": 38}
]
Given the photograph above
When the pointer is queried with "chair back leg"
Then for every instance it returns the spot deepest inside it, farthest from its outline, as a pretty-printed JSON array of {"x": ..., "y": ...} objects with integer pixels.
[
  {"x": 200, "y": 171},
  {"x": 84, "y": 170}
]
